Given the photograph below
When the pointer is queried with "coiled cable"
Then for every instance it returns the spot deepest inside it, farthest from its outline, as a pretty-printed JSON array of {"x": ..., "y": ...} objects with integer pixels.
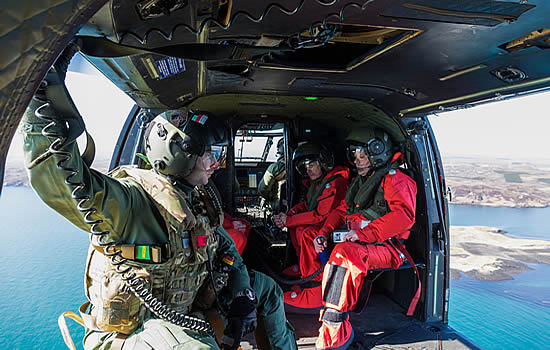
[
  {"x": 319, "y": 32},
  {"x": 137, "y": 285}
]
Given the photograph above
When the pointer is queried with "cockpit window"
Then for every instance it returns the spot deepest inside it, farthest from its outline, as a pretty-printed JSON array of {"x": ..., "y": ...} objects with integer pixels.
[{"x": 257, "y": 145}]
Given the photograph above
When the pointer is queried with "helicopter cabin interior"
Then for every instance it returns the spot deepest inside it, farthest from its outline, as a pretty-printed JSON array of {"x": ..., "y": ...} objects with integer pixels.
[
  {"x": 299, "y": 70},
  {"x": 256, "y": 123}
]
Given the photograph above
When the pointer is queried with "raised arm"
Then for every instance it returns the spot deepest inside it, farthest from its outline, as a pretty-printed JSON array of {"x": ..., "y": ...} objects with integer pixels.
[{"x": 115, "y": 201}]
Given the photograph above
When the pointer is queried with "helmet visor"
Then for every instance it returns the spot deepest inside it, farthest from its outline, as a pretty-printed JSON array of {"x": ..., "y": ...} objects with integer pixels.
[
  {"x": 354, "y": 150},
  {"x": 373, "y": 148},
  {"x": 305, "y": 163},
  {"x": 218, "y": 156}
]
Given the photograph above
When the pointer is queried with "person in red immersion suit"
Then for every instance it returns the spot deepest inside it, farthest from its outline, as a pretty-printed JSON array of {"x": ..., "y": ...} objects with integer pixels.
[
  {"x": 378, "y": 210},
  {"x": 327, "y": 187},
  {"x": 238, "y": 229}
]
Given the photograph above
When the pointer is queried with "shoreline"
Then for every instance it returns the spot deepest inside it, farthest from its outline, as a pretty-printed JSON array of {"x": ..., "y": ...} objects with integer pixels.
[
  {"x": 496, "y": 205},
  {"x": 488, "y": 254}
]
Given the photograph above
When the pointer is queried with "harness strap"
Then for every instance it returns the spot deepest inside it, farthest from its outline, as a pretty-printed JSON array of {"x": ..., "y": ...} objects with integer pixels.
[
  {"x": 88, "y": 320},
  {"x": 118, "y": 342},
  {"x": 396, "y": 243},
  {"x": 331, "y": 315},
  {"x": 65, "y": 330},
  {"x": 141, "y": 253}
]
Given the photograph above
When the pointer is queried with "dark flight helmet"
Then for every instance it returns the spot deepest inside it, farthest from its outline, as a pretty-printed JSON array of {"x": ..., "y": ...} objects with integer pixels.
[
  {"x": 174, "y": 151},
  {"x": 376, "y": 143},
  {"x": 308, "y": 152}
]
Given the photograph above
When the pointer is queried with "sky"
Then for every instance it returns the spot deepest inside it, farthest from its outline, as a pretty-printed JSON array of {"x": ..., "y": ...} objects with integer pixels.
[
  {"x": 102, "y": 105},
  {"x": 517, "y": 129}
]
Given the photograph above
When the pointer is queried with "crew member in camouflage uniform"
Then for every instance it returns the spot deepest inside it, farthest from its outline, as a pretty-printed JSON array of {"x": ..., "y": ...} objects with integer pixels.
[
  {"x": 275, "y": 175},
  {"x": 164, "y": 223}
]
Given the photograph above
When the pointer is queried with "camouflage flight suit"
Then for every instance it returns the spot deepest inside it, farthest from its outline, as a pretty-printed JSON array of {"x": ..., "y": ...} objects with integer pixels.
[
  {"x": 270, "y": 185},
  {"x": 143, "y": 210}
]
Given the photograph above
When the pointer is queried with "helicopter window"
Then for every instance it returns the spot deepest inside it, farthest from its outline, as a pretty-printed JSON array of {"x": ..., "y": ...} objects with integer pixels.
[
  {"x": 257, "y": 145},
  {"x": 103, "y": 120}
]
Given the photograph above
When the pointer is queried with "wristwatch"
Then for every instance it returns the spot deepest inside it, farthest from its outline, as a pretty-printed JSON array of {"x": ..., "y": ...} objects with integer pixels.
[{"x": 247, "y": 292}]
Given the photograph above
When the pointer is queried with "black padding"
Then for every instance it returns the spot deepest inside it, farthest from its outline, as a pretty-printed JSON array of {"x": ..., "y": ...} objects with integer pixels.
[
  {"x": 335, "y": 281},
  {"x": 331, "y": 315}
]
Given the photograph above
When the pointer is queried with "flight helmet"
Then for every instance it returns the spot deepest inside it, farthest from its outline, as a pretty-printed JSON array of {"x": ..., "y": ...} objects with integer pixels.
[
  {"x": 174, "y": 151},
  {"x": 308, "y": 152},
  {"x": 376, "y": 143}
]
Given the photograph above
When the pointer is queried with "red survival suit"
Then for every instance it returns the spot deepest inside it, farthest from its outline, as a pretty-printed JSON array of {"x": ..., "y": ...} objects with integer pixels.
[
  {"x": 304, "y": 221},
  {"x": 389, "y": 212},
  {"x": 240, "y": 238}
]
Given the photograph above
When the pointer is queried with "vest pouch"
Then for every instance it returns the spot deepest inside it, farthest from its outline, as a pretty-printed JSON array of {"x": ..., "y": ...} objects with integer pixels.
[{"x": 115, "y": 307}]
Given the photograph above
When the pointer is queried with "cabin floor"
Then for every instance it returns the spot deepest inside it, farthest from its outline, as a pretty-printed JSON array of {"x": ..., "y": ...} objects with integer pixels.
[{"x": 381, "y": 325}]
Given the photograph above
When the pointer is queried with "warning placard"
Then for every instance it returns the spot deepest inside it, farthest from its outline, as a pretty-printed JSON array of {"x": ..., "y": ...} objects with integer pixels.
[{"x": 169, "y": 66}]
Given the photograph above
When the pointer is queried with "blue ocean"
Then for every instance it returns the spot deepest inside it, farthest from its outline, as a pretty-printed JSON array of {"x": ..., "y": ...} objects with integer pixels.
[{"x": 43, "y": 259}]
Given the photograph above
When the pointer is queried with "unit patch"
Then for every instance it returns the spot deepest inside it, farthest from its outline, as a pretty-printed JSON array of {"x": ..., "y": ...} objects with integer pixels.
[
  {"x": 200, "y": 241},
  {"x": 199, "y": 118}
]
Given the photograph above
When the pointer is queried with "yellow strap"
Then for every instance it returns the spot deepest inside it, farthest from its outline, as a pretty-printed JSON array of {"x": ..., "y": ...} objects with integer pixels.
[
  {"x": 87, "y": 319},
  {"x": 65, "y": 330}
]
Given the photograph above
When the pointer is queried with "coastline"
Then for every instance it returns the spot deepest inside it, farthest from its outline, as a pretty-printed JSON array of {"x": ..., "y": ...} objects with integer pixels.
[
  {"x": 15, "y": 174},
  {"x": 488, "y": 254}
]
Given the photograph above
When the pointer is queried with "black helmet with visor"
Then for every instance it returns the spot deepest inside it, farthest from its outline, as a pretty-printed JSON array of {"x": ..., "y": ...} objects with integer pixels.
[{"x": 308, "y": 152}]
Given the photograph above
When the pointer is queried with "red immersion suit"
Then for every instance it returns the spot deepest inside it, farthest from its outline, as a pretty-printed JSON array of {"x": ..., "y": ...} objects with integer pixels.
[
  {"x": 305, "y": 223},
  {"x": 240, "y": 238},
  {"x": 349, "y": 262}
]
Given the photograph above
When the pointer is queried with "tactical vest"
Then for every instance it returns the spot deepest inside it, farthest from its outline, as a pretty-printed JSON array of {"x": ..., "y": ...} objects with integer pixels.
[
  {"x": 378, "y": 208},
  {"x": 315, "y": 190},
  {"x": 175, "y": 280}
]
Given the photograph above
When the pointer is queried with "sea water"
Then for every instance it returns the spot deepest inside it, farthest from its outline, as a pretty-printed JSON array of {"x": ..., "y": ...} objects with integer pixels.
[
  {"x": 42, "y": 261},
  {"x": 43, "y": 258},
  {"x": 511, "y": 314}
]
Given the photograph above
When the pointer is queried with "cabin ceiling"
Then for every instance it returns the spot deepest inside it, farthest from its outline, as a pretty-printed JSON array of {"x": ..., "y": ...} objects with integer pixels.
[{"x": 404, "y": 56}]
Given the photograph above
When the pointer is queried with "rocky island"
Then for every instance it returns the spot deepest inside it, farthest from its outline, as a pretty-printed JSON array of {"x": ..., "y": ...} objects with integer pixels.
[{"x": 486, "y": 253}]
